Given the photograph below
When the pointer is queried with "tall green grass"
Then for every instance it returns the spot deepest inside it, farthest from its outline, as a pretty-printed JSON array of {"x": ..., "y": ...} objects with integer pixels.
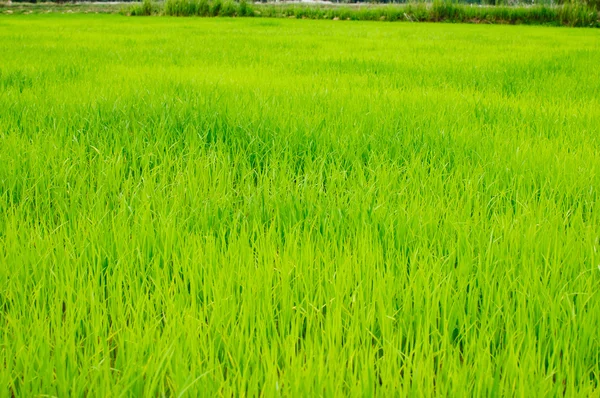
[
  {"x": 201, "y": 207},
  {"x": 578, "y": 15}
]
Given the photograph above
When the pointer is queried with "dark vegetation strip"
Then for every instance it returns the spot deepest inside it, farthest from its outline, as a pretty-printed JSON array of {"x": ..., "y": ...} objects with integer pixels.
[
  {"x": 579, "y": 15},
  {"x": 570, "y": 14}
]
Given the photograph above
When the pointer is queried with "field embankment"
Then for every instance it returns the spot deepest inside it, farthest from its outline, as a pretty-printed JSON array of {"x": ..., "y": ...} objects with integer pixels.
[
  {"x": 25, "y": 8},
  {"x": 577, "y": 15},
  {"x": 571, "y": 14}
]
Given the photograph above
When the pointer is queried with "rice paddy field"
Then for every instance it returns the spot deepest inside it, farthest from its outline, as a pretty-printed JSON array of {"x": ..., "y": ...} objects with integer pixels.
[{"x": 256, "y": 207}]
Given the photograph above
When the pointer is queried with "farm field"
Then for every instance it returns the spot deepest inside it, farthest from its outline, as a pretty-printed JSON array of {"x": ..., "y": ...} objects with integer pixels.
[{"x": 201, "y": 207}]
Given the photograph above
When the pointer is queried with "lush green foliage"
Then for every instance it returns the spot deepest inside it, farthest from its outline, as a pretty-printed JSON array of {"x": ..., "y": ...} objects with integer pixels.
[
  {"x": 571, "y": 14},
  {"x": 568, "y": 14},
  {"x": 245, "y": 206}
]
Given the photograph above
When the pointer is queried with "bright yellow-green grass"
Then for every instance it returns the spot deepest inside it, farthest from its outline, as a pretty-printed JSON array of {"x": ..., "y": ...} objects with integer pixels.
[{"x": 200, "y": 207}]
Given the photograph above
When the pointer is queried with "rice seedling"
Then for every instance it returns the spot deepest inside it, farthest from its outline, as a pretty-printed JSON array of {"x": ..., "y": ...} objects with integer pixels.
[{"x": 200, "y": 207}]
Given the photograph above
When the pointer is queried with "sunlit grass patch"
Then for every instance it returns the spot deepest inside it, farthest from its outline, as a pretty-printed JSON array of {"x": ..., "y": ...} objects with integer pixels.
[{"x": 245, "y": 207}]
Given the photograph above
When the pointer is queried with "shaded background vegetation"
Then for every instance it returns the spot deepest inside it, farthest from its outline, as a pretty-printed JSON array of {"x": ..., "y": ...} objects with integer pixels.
[{"x": 590, "y": 3}]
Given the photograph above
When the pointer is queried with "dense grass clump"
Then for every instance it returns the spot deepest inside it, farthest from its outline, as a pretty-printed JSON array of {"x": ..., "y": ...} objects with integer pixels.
[
  {"x": 145, "y": 8},
  {"x": 204, "y": 207}
]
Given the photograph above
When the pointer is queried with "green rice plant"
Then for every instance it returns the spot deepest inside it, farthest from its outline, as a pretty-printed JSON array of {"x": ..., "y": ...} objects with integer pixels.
[{"x": 284, "y": 207}]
